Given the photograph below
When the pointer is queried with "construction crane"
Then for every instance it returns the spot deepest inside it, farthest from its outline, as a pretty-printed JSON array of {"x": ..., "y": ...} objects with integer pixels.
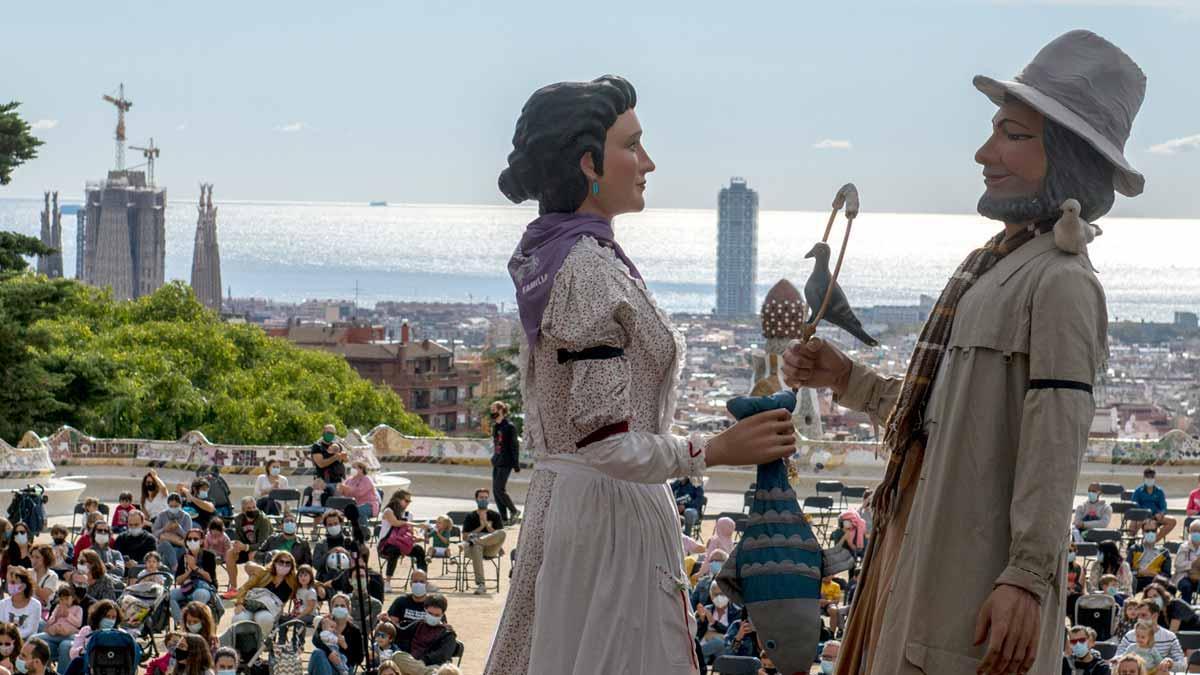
[
  {"x": 150, "y": 153},
  {"x": 123, "y": 105}
]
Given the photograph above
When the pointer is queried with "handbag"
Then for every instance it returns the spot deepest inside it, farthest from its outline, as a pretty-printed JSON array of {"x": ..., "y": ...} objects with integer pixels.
[
  {"x": 398, "y": 542},
  {"x": 262, "y": 600}
]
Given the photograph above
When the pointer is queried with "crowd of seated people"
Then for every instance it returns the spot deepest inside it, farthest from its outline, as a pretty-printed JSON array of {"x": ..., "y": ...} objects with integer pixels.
[{"x": 67, "y": 585}]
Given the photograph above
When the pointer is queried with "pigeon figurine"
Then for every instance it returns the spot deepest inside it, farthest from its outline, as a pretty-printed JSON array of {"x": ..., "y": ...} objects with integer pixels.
[
  {"x": 839, "y": 312},
  {"x": 1072, "y": 233},
  {"x": 776, "y": 568}
]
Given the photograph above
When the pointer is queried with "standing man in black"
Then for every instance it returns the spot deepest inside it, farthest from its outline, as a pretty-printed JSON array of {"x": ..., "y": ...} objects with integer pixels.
[
  {"x": 329, "y": 458},
  {"x": 505, "y": 460}
]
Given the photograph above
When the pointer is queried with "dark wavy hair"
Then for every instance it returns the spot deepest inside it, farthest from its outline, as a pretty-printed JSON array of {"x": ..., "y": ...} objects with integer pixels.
[
  {"x": 1074, "y": 170},
  {"x": 558, "y": 125}
]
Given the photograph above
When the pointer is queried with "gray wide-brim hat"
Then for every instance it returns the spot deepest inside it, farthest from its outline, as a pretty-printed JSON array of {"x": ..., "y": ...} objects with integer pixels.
[{"x": 1088, "y": 85}]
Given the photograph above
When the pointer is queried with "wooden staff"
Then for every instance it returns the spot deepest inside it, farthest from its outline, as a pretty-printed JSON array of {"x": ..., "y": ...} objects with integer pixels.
[{"x": 846, "y": 197}]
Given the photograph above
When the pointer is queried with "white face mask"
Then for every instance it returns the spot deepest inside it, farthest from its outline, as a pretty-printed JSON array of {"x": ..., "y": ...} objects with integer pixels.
[
  {"x": 193, "y": 545},
  {"x": 720, "y": 602},
  {"x": 334, "y": 530},
  {"x": 21, "y": 538},
  {"x": 418, "y": 588},
  {"x": 83, "y": 569},
  {"x": 102, "y": 539}
]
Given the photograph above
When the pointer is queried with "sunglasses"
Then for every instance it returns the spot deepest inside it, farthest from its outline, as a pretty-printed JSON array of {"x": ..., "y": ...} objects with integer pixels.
[{"x": 1076, "y": 641}]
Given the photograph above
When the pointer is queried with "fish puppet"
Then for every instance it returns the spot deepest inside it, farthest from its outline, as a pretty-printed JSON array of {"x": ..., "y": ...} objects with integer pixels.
[{"x": 776, "y": 568}]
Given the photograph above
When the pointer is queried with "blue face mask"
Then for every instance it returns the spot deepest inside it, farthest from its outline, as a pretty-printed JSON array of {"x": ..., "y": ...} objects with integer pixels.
[
  {"x": 1093, "y": 496},
  {"x": 1079, "y": 650},
  {"x": 107, "y": 623},
  {"x": 1070, "y": 557},
  {"x": 826, "y": 667},
  {"x": 340, "y": 612},
  {"x": 289, "y": 527},
  {"x": 1195, "y": 537},
  {"x": 481, "y": 503},
  {"x": 715, "y": 567},
  {"x": 1112, "y": 590}
]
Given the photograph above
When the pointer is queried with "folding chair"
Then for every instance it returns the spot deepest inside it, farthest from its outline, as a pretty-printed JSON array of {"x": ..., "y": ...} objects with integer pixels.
[
  {"x": 1119, "y": 508},
  {"x": 283, "y": 496},
  {"x": 747, "y": 500},
  {"x": 821, "y": 510},
  {"x": 854, "y": 492},
  {"x": 1172, "y": 546},
  {"x": 459, "y": 648},
  {"x": 736, "y": 665},
  {"x": 1099, "y": 536},
  {"x": 1189, "y": 639},
  {"x": 832, "y": 488},
  {"x": 458, "y": 517},
  {"x": 1134, "y": 516},
  {"x": 1107, "y": 650},
  {"x": 1112, "y": 489},
  {"x": 451, "y": 559}
]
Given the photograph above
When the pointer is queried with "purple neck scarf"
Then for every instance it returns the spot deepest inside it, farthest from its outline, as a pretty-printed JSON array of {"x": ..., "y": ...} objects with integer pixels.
[{"x": 543, "y": 248}]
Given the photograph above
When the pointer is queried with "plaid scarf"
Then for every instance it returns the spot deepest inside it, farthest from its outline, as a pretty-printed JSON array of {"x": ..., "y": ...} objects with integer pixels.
[{"x": 906, "y": 421}]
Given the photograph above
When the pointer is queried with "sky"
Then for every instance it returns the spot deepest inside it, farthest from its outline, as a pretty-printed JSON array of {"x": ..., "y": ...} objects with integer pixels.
[{"x": 416, "y": 101}]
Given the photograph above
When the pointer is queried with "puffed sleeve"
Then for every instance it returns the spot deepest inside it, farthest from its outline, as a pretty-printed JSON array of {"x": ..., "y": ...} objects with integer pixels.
[
  {"x": 1068, "y": 327},
  {"x": 588, "y": 321}
]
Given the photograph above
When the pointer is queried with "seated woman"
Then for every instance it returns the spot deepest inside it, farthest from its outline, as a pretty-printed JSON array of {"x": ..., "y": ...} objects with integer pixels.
[
  {"x": 21, "y": 608},
  {"x": 196, "y": 502},
  {"x": 90, "y": 574},
  {"x": 851, "y": 532},
  {"x": 64, "y": 622},
  {"x": 349, "y": 639},
  {"x": 722, "y": 539},
  {"x": 17, "y": 551},
  {"x": 712, "y": 622},
  {"x": 114, "y": 562},
  {"x": 45, "y": 579},
  {"x": 271, "y": 478},
  {"x": 192, "y": 657},
  {"x": 279, "y": 582},
  {"x": 10, "y": 646},
  {"x": 396, "y": 515},
  {"x": 361, "y": 489},
  {"x": 198, "y": 620},
  {"x": 103, "y": 615},
  {"x": 1110, "y": 560},
  {"x": 196, "y": 575},
  {"x": 1176, "y": 615}
]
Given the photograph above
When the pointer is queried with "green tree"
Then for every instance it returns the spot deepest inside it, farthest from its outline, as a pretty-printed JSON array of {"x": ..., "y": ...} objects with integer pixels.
[
  {"x": 504, "y": 360},
  {"x": 13, "y": 248},
  {"x": 162, "y": 365},
  {"x": 17, "y": 144}
]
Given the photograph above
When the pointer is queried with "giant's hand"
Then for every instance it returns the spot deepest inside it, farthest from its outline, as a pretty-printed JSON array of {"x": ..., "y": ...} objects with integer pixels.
[
  {"x": 1010, "y": 621},
  {"x": 757, "y": 439},
  {"x": 816, "y": 364}
]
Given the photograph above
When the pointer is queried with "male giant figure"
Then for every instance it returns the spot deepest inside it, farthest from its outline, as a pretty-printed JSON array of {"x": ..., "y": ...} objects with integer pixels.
[{"x": 986, "y": 431}]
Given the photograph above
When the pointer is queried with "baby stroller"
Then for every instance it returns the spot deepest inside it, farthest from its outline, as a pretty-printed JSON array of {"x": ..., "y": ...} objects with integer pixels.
[
  {"x": 111, "y": 652},
  {"x": 246, "y": 638},
  {"x": 29, "y": 506},
  {"x": 1100, "y": 612},
  {"x": 285, "y": 650},
  {"x": 144, "y": 606}
]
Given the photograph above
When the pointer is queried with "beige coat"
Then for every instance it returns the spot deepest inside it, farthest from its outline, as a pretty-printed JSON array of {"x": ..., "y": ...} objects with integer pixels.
[{"x": 993, "y": 502}]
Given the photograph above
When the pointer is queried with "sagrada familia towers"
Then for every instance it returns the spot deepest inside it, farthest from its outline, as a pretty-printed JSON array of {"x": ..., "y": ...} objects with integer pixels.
[
  {"x": 206, "y": 256},
  {"x": 51, "y": 265}
]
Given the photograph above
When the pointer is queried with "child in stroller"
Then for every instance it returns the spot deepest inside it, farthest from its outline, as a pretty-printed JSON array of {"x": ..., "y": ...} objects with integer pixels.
[{"x": 144, "y": 608}]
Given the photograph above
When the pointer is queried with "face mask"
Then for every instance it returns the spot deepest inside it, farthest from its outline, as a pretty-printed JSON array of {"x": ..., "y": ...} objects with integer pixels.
[
  {"x": 283, "y": 569},
  {"x": 338, "y": 561},
  {"x": 1093, "y": 496},
  {"x": 22, "y": 667},
  {"x": 1149, "y": 483},
  {"x": 226, "y": 672},
  {"x": 481, "y": 503},
  {"x": 14, "y": 589},
  {"x": 1149, "y": 537},
  {"x": 418, "y": 588},
  {"x": 6, "y": 649},
  {"x": 289, "y": 527},
  {"x": 21, "y": 538},
  {"x": 329, "y": 637},
  {"x": 59, "y": 542},
  {"x": 1195, "y": 537},
  {"x": 275, "y": 471},
  {"x": 328, "y": 436},
  {"x": 432, "y": 620},
  {"x": 826, "y": 667},
  {"x": 341, "y": 612},
  {"x": 180, "y": 656},
  {"x": 203, "y": 494},
  {"x": 1079, "y": 650},
  {"x": 1070, "y": 557},
  {"x": 83, "y": 569},
  {"x": 715, "y": 567},
  {"x": 175, "y": 510},
  {"x": 495, "y": 416},
  {"x": 1158, "y": 601},
  {"x": 720, "y": 602},
  {"x": 1112, "y": 590},
  {"x": 194, "y": 627},
  {"x": 107, "y": 623},
  {"x": 102, "y": 539},
  {"x": 1100, "y": 557},
  {"x": 334, "y": 530},
  {"x": 252, "y": 514}
]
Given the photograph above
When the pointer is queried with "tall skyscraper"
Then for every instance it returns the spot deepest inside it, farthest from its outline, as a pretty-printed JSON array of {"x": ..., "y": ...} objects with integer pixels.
[
  {"x": 51, "y": 265},
  {"x": 737, "y": 249},
  {"x": 124, "y": 243},
  {"x": 206, "y": 256}
]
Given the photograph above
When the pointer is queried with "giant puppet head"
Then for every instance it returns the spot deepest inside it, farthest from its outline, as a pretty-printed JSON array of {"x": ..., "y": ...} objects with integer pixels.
[{"x": 1060, "y": 132}]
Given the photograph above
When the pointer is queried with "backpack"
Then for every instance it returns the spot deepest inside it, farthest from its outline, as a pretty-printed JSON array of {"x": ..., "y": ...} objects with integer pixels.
[
  {"x": 111, "y": 652},
  {"x": 28, "y": 506}
]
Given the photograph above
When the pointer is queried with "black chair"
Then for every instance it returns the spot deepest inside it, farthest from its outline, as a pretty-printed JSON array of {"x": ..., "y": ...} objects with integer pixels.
[
  {"x": 1107, "y": 650},
  {"x": 459, "y": 648},
  {"x": 458, "y": 517},
  {"x": 1086, "y": 550},
  {"x": 747, "y": 500},
  {"x": 1120, "y": 508},
  {"x": 854, "y": 492},
  {"x": 820, "y": 509},
  {"x": 1110, "y": 489},
  {"x": 1099, "y": 536},
  {"x": 1189, "y": 639},
  {"x": 1173, "y": 546},
  {"x": 283, "y": 497},
  {"x": 1133, "y": 516},
  {"x": 1127, "y": 495},
  {"x": 736, "y": 665},
  {"x": 453, "y": 564},
  {"x": 78, "y": 529},
  {"x": 831, "y": 488}
]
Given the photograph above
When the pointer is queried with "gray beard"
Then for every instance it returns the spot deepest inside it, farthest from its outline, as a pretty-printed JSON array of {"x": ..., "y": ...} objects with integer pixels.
[{"x": 1023, "y": 209}]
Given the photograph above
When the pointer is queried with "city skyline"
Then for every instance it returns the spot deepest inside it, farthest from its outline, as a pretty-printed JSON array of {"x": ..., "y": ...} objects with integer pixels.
[{"x": 323, "y": 104}]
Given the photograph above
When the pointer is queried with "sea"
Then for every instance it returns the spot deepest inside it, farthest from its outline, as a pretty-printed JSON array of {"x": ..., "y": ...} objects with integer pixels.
[{"x": 292, "y": 251}]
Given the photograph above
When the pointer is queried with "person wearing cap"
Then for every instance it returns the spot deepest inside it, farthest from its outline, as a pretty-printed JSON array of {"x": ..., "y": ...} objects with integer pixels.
[{"x": 985, "y": 433}]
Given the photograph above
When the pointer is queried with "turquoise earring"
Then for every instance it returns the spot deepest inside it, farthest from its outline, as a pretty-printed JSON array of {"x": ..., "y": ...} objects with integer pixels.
[{"x": 596, "y": 187}]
